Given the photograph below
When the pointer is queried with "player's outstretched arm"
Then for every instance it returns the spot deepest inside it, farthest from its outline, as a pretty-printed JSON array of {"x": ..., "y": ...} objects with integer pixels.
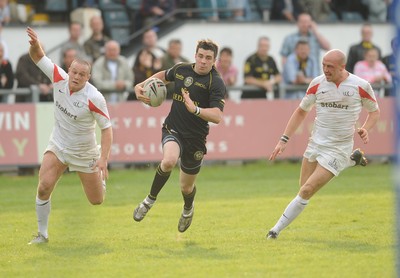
[
  {"x": 35, "y": 50},
  {"x": 280, "y": 147},
  {"x": 294, "y": 122}
]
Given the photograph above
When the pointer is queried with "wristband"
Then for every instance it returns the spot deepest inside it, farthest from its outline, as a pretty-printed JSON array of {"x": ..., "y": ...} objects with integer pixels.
[
  {"x": 284, "y": 138},
  {"x": 197, "y": 112}
]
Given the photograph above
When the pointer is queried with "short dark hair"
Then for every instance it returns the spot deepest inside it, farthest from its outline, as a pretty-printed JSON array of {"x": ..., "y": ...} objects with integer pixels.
[
  {"x": 302, "y": 41},
  {"x": 83, "y": 62},
  {"x": 69, "y": 49},
  {"x": 263, "y": 38},
  {"x": 227, "y": 50},
  {"x": 174, "y": 41},
  {"x": 208, "y": 45}
]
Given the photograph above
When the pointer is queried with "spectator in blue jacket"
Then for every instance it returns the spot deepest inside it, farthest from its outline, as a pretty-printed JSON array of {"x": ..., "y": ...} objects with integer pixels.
[{"x": 300, "y": 68}]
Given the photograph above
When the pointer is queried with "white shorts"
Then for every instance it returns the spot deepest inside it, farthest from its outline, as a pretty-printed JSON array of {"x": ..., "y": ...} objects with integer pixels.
[
  {"x": 80, "y": 162},
  {"x": 333, "y": 159}
]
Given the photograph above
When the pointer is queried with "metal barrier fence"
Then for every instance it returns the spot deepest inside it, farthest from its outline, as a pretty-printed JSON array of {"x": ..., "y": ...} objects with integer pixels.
[
  {"x": 33, "y": 93},
  {"x": 8, "y": 95}
]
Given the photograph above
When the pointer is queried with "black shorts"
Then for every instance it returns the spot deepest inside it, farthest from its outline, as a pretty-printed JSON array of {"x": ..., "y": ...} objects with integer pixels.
[{"x": 192, "y": 150}]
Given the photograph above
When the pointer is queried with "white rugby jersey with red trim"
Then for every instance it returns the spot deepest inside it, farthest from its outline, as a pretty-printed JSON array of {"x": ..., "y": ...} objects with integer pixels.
[
  {"x": 75, "y": 113},
  {"x": 337, "y": 108}
]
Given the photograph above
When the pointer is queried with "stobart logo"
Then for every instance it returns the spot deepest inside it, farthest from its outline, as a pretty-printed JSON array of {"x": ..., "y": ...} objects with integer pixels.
[
  {"x": 334, "y": 105},
  {"x": 65, "y": 111}
]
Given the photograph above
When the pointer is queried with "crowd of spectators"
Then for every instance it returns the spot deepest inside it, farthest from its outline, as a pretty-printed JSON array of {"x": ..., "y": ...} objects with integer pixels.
[
  {"x": 300, "y": 52},
  {"x": 286, "y": 10}
]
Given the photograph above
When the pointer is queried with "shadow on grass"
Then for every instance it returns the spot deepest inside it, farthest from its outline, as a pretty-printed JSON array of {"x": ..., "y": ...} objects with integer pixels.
[
  {"x": 190, "y": 249},
  {"x": 76, "y": 251}
]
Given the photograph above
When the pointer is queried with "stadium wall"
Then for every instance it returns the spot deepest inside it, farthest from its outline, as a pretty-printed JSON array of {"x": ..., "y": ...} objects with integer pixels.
[{"x": 250, "y": 130}]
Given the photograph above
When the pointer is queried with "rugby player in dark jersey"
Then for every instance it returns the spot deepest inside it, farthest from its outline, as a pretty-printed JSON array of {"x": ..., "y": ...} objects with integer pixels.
[{"x": 198, "y": 98}]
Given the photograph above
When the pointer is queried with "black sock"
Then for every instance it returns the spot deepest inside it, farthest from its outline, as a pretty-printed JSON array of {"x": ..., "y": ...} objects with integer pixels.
[
  {"x": 189, "y": 198},
  {"x": 160, "y": 178}
]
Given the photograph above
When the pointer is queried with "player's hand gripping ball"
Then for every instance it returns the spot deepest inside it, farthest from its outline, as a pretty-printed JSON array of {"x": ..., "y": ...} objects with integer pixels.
[{"x": 156, "y": 90}]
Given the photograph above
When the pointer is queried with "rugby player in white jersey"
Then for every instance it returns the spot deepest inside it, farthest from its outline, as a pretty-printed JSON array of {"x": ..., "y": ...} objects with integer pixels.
[
  {"x": 78, "y": 106},
  {"x": 338, "y": 97}
]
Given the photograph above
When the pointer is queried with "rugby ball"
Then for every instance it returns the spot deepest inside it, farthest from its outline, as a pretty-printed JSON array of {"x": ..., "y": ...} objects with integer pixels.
[{"x": 156, "y": 91}]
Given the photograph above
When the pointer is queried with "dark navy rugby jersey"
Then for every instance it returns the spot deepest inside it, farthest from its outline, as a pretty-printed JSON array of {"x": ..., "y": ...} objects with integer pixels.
[{"x": 206, "y": 91}]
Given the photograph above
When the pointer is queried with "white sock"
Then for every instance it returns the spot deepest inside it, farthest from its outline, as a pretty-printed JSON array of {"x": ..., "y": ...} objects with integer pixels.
[
  {"x": 189, "y": 212},
  {"x": 295, "y": 207},
  {"x": 43, "y": 208}
]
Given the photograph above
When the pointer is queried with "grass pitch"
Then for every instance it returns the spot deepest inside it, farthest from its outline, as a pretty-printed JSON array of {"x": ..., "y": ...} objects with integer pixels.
[{"x": 347, "y": 230}]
